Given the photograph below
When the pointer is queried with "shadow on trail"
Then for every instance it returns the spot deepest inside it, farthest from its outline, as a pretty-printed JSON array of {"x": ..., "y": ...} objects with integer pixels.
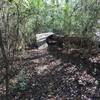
[
  {"x": 60, "y": 82},
  {"x": 82, "y": 64},
  {"x": 74, "y": 58}
]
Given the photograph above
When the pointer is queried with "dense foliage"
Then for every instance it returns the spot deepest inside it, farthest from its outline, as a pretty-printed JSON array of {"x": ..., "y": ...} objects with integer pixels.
[{"x": 25, "y": 18}]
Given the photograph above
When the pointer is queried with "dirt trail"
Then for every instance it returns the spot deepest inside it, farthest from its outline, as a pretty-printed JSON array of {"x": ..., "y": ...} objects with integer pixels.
[
  {"x": 49, "y": 75},
  {"x": 52, "y": 77}
]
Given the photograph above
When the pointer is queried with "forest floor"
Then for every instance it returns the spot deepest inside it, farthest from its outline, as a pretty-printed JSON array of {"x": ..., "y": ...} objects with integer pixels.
[{"x": 52, "y": 74}]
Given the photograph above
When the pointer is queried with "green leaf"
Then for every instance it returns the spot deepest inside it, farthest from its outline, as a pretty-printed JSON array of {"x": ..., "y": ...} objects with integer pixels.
[{"x": 10, "y": 0}]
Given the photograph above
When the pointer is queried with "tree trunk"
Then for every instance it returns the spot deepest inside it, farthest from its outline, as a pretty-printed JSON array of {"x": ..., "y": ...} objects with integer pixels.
[{"x": 6, "y": 65}]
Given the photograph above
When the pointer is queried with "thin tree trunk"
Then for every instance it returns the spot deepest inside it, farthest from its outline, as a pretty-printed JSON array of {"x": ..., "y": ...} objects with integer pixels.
[
  {"x": 17, "y": 21},
  {"x": 17, "y": 31},
  {"x": 6, "y": 65}
]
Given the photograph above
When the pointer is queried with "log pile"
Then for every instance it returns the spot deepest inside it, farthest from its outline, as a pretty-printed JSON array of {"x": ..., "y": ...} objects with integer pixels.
[{"x": 66, "y": 41}]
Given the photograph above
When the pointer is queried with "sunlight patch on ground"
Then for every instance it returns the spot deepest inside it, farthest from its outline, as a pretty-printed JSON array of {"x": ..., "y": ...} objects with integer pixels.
[{"x": 41, "y": 69}]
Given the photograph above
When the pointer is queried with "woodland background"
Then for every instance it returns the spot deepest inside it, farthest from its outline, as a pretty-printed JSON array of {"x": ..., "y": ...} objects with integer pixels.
[{"x": 24, "y": 74}]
